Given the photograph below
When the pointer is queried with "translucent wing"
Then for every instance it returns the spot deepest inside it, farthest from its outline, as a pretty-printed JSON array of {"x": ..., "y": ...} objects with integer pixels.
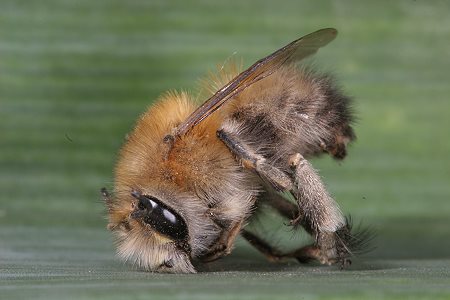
[{"x": 295, "y": 51}]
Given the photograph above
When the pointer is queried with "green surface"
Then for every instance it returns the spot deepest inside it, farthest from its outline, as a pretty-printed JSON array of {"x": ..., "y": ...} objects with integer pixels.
[{"x": 74, "y": 76}]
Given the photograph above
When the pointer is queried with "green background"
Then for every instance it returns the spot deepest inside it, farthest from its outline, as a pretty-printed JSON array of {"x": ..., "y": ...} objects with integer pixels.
[{"x": 75, "y": 75}]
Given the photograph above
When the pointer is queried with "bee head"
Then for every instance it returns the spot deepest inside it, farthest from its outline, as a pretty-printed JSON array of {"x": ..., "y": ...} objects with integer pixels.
[{"x": 151, "y": 235}]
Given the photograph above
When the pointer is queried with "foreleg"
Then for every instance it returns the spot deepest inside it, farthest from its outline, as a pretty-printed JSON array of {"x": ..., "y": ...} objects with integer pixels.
[{"x": 224, "y": 244}]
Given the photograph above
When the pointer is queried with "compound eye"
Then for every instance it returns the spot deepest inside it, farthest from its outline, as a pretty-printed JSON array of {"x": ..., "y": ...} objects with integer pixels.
[
  {"x": 169, "y": 216},
  {"x": 162, "y": 218},
  {"x": 148, "y": 203}
]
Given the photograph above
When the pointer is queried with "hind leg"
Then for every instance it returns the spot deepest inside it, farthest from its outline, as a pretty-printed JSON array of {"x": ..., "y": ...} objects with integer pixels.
[
  {"x": 358, "y": 242},
  {"x": 250, "y": 159},
  {"x": 320, "y": 215},
  {"x": 291, "y": 211},
  {"x": 318, "y": 212}
]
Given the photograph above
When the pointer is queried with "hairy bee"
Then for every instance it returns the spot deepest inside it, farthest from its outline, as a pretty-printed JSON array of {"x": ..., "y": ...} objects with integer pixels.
[{"x": 189, "y": 177}]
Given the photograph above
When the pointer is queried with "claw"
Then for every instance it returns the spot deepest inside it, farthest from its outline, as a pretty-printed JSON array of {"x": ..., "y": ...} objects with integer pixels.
[
  {"x": 345, "y": 263},
  {"x": 295, "y": 159},
  {"x": 296, "y": 221},
  {"x": 217, "y": 252}
]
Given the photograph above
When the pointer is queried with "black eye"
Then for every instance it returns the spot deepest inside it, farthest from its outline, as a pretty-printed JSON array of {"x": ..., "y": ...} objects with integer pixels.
[
  {"x": 162, "y": 218},
  {"x": 147, "y": 203},
  {"x": 169, "y": 216}
]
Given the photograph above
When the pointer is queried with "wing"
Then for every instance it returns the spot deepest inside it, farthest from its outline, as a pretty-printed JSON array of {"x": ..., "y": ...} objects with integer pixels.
[{"x": 295, "y": 51}]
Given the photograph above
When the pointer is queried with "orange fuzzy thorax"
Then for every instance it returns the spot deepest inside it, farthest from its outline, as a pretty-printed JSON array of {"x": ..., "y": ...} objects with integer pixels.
[{"x": 144, "y": 157}]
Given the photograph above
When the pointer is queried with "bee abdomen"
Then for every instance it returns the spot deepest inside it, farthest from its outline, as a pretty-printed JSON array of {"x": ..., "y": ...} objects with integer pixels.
[{"x": 295, "y": 111}]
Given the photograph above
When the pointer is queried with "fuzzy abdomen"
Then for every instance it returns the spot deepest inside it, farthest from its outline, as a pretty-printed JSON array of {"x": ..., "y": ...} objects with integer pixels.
[{"x": 293, "y": 111}]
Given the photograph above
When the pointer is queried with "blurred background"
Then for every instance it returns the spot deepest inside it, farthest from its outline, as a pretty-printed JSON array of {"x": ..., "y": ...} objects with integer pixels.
[{"x": 75, "y": 75}]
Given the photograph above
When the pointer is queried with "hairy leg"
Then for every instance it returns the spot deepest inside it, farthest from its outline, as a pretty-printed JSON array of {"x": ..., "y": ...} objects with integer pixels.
[
  {"x": 303, "y": 255},
  {"x": 224, "y": 244},
  {"x": 358, "y": 242},
  {"x": 254, "y": 161},
  {"x": 290, "y": 211},
  {"x": 317, "y": 211},
  {"x": 271, "y": 253},
  {"x": 321, "y": 214},
  {"x": 318, "y": 214},
  {"x": 287, "y": 209}
]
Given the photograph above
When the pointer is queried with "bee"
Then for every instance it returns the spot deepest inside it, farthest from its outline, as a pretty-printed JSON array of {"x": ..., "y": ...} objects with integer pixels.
[{"x": 189, "y": 177}]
